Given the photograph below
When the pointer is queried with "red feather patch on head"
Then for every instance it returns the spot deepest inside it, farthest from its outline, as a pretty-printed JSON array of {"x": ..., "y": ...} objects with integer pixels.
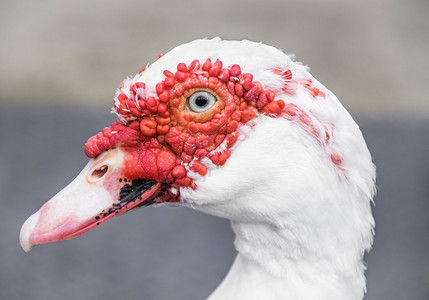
[{"x": 162, "y": 131}]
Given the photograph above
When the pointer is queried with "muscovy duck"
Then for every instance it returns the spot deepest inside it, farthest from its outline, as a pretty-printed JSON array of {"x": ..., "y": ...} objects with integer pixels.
[{"x": 239, "y": 130}]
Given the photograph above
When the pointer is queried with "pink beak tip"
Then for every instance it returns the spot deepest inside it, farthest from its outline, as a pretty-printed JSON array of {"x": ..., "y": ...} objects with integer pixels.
[{"x": 26, "y": 230}]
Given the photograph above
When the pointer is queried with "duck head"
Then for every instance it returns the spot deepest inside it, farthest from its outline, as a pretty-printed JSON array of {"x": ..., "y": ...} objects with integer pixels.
[{"x": 233, "y": 128}]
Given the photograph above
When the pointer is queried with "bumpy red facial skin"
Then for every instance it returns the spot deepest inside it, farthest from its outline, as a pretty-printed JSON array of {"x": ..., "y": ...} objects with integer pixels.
[{"x": 164, "y": 139}]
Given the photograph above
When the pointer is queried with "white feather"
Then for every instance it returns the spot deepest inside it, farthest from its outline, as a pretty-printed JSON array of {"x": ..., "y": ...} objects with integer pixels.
[
  {"x": 302, "y": 224},
  {"x": 301, "y": 227}
]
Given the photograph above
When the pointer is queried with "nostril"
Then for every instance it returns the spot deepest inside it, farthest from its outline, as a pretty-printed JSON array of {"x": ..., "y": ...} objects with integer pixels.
[{"x": 98, "y": 173}]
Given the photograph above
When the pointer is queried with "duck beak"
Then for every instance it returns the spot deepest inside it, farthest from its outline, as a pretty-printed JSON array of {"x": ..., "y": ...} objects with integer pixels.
[{"x": 93, "y": 197}]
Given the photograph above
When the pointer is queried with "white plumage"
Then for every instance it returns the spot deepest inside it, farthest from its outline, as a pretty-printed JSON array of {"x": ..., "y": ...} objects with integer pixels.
[{"x": 302, "y": 222}]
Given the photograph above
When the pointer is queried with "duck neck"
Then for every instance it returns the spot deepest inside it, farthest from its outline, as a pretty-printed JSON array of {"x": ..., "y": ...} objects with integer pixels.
[{"x": 276, "y": 262}]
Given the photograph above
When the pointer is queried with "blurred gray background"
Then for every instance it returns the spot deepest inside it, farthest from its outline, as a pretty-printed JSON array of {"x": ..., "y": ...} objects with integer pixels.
[{"x": 60, "y": 63}]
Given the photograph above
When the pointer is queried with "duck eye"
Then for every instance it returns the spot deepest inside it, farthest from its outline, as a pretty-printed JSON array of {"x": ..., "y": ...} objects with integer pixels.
[{"x": 201, "y": 101}]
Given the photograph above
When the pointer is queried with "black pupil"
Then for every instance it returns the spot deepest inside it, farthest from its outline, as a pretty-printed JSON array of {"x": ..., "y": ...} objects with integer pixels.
[{"x": 201, "y": 101}]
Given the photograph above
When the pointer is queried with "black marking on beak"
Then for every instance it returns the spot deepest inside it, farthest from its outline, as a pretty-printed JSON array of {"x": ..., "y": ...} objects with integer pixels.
[{"x": 130, "y": 192}]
